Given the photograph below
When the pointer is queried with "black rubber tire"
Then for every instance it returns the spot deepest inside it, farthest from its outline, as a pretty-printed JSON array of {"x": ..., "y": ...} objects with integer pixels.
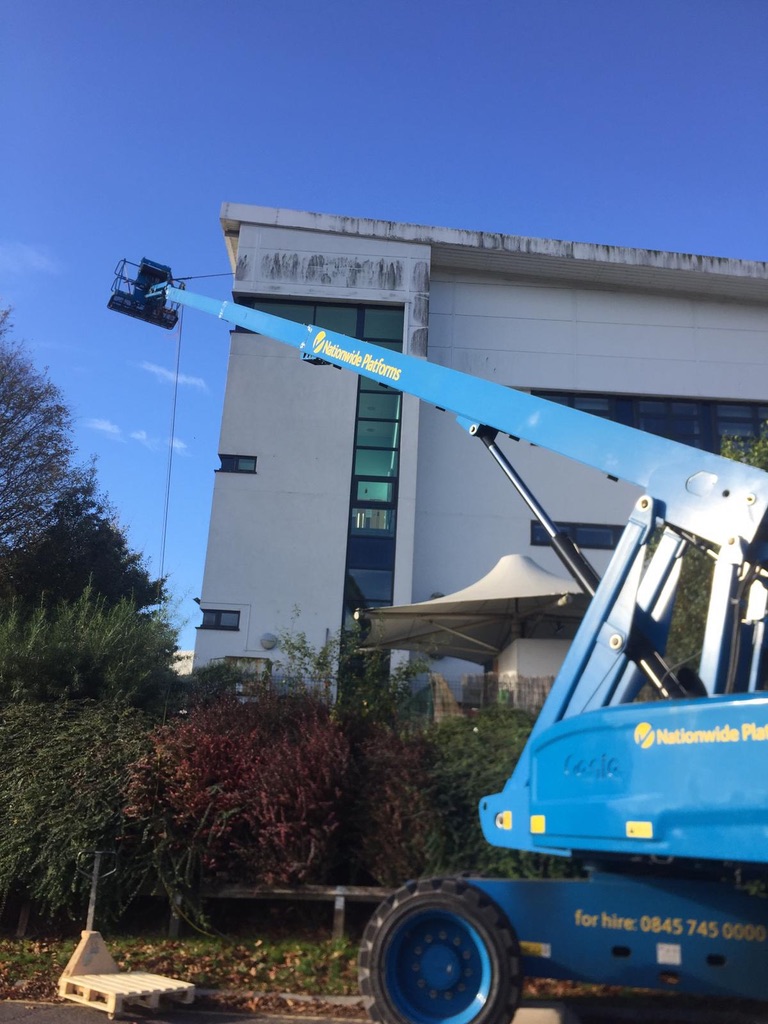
[{"x": 440, "y": 951}]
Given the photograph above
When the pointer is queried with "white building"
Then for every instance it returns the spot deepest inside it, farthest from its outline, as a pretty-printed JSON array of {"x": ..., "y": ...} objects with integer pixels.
[{"x": 334, "y": 493}]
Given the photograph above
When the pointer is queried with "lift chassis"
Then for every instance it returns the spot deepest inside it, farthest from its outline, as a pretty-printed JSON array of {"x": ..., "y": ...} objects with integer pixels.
[{"x": 664, "y": 802}]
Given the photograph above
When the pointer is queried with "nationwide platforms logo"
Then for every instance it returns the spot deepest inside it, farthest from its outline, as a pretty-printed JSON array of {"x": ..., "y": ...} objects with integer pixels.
[
  {"x": 322, "y": 345},
  {"x": 646, "y": 736}
]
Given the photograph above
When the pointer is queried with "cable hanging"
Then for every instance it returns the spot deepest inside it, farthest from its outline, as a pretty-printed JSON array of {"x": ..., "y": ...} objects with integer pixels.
[
  {"x": 172, "y": 437},
  {"x": 169, "y": 468}
]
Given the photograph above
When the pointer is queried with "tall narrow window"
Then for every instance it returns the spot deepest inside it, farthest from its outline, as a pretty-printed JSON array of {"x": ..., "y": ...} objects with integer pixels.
[
  {"x": 371, "y": 528},
  {"x": 370, "y": 566}
]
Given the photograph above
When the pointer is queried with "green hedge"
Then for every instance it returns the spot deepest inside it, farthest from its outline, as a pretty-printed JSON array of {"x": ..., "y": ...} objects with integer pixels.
[{"x": 277, "y": 789}]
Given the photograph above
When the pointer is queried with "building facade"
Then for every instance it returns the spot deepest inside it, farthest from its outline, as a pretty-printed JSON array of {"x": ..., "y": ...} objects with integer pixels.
[{"x": 334, "y": 493}]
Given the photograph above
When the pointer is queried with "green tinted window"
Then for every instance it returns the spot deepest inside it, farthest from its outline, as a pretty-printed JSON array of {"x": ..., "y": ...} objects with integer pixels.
[
  {"x": 383, "y": 323},
  {"x": 374, "y": 490},
  {"x": 377, "y": 434},
  {"x": 300, "y": 313},
  {"x": 342, "y": 319},
  {"x": 369, "y": 462},
  {"x": 379, "y": 405}
]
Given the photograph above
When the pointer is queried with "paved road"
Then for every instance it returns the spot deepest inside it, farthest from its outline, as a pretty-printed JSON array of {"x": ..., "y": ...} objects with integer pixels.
[
  {"x": 63, "y": 1013},
  {"x": 593, "y": 1012}
]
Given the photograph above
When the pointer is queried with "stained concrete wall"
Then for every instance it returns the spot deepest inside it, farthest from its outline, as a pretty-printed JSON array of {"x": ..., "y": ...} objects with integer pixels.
[{"x": 277, "y": 540}]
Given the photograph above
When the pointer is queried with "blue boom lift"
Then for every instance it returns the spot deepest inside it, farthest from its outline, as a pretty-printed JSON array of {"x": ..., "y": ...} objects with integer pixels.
[{"x": 662, "y": 801}]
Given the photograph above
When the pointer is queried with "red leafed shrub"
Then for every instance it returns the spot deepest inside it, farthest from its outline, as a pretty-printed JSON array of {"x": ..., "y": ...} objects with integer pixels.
[{"x": 244, "y": 791}]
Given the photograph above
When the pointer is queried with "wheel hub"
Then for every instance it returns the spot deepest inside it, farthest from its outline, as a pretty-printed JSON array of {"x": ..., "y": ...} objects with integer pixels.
[{"x": 440, "y": 967}]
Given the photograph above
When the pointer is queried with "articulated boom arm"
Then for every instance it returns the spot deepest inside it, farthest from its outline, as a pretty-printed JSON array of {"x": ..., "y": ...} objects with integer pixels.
[
  {"x": 602, "y": 782},
  {"x": 700, "y": 493}
]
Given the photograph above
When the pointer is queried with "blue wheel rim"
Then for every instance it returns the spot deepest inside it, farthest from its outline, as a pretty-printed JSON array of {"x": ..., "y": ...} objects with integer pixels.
[{"x": 438, "y": 969}]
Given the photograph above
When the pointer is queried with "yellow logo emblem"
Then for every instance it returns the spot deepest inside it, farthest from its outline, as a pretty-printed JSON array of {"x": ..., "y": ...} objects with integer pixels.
[
  {"x": 644, "y": 735},
  {"x": 317, "y": 341}
]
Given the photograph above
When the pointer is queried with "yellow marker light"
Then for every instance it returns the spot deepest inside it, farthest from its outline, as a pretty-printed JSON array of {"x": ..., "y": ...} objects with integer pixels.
[
  {"x": 538, "y": 824},
  {"x": 639, "y": 830},
  {"x": 542, "y": 949},
  {"x": 504, "y": 820}
]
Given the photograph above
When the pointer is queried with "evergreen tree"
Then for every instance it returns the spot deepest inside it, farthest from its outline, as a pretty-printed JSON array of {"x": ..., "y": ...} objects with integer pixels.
[
  {"x": 35, "y": 444},
  {"x": 82, "y": 547}
]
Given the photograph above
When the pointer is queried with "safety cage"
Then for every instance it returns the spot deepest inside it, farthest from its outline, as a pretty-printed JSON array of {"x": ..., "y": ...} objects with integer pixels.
[{"x": 129, "y": 293}]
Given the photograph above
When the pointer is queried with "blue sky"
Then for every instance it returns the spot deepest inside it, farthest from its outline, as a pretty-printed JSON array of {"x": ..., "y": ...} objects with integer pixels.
[{"x": 125, "y": 126}]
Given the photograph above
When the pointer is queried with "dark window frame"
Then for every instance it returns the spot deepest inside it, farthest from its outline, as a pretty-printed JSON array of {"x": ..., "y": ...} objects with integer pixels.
[
  {"x": 708, "y": 416},
  {"x": 235, "y": 464},
  {"x": 217, "y": 614},
  {"x": 579, "y": 534}
]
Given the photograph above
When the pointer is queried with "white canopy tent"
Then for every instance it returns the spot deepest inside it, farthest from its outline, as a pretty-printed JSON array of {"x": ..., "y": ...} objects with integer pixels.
[{"x": 516, "y": 599}]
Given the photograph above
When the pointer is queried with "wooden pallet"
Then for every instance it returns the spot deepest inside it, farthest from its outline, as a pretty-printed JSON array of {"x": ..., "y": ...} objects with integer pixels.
[{"x": 92, "y": 978}]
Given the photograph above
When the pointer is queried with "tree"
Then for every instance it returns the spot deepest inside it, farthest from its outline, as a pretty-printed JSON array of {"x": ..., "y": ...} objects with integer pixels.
[
  {"x": 87, "y": 650},
  {"x": 82, "y": 547},
  {"x": 686, "y": 634},
  {"x": 35, "y": 443},
  {"x": 751, "y": 450}
]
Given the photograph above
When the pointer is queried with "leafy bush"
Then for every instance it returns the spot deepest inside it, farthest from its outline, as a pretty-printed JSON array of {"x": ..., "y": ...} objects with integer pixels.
[
  {"x": 214, "y": 680},
  {"x": 471, "y": 758},
  {"x": 366, "y": 685},
  {"x": 62, "y": 777},
  {"x": 279, "y": 788},
  {"x": 244, "y": 791},
  {"x": 418, "y": 795},
  {"x": 394, "y": 814},
  {"x": 87, "y": 650}
]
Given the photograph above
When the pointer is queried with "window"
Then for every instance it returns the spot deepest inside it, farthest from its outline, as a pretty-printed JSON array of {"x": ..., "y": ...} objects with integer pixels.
[
  {"x": 599, "y": 536},
  {"x": 370, "y": 566},
  {"x": 370, "y": 561},
  {"x": 218, "y": 618},
  {"x": 237, "y": 464}
]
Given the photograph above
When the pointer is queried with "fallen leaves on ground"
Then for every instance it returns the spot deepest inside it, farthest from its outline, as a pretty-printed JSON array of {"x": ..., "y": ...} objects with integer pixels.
[
  {"x": 250, "y": 975},
  {"x": 31, "y": 969}
]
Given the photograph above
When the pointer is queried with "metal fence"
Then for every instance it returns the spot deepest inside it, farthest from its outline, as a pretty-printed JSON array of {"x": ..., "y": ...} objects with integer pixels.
[{"x": 470, "y": 693}]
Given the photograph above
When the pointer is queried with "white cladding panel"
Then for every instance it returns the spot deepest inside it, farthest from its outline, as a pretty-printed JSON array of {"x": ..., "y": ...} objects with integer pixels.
[
  {"x": 278, "y": 537},
  {"x": 609, "y": 341},
  {"x": 513, "y": 334}
]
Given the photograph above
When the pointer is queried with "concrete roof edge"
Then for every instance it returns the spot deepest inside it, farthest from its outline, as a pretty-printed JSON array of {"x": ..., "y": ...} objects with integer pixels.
[{"x": 453, "y": 241}]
